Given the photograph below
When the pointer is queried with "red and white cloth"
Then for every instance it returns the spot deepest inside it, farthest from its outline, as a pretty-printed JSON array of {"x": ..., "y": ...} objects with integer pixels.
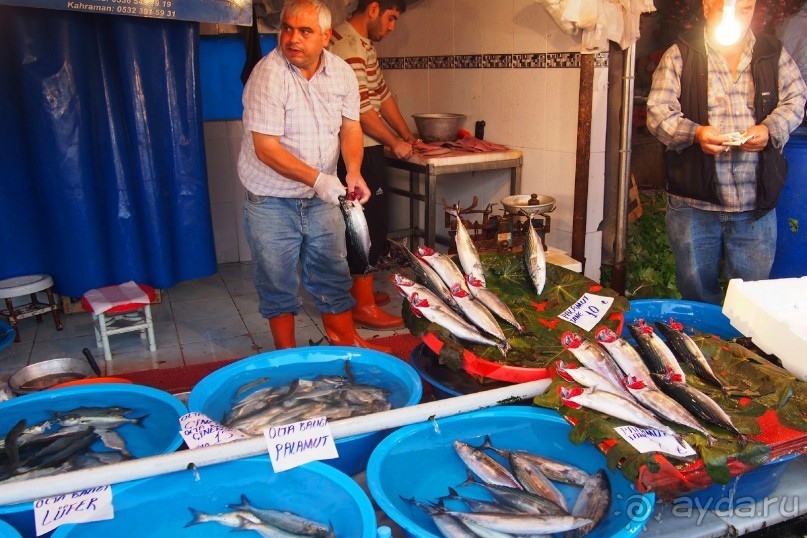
[{"x": 128, "y": 293}]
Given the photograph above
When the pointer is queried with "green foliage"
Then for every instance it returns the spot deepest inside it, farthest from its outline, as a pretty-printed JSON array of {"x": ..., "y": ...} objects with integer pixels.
[{"x": 650, "y": 265}]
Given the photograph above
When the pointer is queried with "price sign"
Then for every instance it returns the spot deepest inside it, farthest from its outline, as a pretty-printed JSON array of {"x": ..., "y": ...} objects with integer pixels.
[
  {"x": 199, "y": 430},
  {"x": 654, "y": 441},
  {"x": 587, "y": 311},
  {"x": 93, "y": 504},
  {"x": 297, "y": 443}
]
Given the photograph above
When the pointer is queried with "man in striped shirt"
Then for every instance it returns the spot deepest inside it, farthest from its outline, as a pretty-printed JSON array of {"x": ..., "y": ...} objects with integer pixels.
[
  {"x": 301, "y": 110},
  {"x": 723, "y": 189},
  {"x": 353, "y": 42}
]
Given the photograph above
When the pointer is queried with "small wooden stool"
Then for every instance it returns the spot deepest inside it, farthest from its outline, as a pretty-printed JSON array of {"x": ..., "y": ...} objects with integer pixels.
[
  {"x": 24, "y": 285},
  {"x": 124, "y": 316}
]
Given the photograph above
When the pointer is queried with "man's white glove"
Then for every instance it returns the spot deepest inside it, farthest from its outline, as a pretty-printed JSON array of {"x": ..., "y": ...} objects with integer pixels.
[{"x": 329, "y": 188}]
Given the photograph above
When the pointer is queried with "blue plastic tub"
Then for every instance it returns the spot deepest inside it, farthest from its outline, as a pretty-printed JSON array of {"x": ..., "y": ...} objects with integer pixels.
[
  {"x": 159, "y": 506},
  {"x": 7, "y": 531},
  {"x": 707, "y": 318},
  {"x": 159, "y": 433},
  {"x": 214, "y": 394},
  {"x": 791, "y": 212},
  {"x": 396, "y": 469}
]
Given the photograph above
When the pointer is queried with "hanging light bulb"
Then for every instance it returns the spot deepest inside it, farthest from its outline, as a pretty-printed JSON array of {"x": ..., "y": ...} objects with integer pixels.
[{"x": 728, "y": 31}]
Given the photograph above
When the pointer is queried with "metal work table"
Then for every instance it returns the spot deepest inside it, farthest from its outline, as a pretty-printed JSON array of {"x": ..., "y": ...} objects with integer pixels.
[{"x": 451, "y": 163}]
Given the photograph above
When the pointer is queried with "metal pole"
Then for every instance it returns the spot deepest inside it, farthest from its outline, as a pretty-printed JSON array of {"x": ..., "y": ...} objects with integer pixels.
[{"x": 625, "y": 139}]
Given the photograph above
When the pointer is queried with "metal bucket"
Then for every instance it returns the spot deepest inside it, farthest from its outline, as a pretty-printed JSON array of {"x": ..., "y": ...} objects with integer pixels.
[{"x": 46, "y": 374}]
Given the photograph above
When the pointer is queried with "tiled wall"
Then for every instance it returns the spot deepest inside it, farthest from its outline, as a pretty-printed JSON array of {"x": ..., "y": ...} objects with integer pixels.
[{"x": 511, "y": 67}]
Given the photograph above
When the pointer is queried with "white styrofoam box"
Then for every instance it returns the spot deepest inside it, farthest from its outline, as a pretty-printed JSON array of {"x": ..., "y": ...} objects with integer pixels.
[{"x": 774, "y": 314}]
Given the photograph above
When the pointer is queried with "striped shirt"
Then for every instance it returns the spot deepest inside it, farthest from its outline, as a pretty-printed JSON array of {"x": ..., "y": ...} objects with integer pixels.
[
  {"x": 361, "y": 55},
  {"x": 731, "y": 109},
  {"x": 306, "y": 115}
]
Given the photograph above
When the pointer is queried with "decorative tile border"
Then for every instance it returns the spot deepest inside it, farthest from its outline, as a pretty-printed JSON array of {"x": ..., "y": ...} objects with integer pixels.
[{"x": 492, "y": 61}]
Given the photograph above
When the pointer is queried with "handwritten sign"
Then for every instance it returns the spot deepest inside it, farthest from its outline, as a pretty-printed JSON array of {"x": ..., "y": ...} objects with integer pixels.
[
  {"x": 587, "y": 311},
  {"x": 300, "y": 442},
  {"x": 79, "y": 507},
  {"x": 199, "y": 430},
  {"x": 654, "y": 441}
]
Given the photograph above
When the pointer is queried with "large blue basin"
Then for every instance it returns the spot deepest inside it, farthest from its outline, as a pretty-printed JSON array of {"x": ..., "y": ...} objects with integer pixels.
[
  {"x": 707, "y": 318},
  {"x": 214, "y": 395}
]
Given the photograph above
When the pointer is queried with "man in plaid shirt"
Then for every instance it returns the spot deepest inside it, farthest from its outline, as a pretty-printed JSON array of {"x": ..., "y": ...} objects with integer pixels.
[
  {"x": 301, "y": 110},
  {"x": 353, "y": 42},
  {"x": 723, "y": 188}
]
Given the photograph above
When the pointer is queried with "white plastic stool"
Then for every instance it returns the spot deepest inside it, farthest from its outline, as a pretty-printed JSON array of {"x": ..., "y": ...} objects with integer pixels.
[
  {"x": 28, "y": 285},
  {"x": 122, "y": 318}
]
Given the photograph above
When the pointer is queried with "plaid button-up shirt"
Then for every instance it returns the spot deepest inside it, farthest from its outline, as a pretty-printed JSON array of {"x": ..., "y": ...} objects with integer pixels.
[
  {"x": 731, "y": 109},
  {"x": 306, "y": 115}
]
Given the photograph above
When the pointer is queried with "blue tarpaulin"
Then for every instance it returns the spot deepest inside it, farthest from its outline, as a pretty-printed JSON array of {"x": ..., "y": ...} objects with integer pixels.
[{"x": 102, "y": 166}]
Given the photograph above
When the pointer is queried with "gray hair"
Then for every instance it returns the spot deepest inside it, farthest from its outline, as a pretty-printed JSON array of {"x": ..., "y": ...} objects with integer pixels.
[{"x": 294, "y": 7}]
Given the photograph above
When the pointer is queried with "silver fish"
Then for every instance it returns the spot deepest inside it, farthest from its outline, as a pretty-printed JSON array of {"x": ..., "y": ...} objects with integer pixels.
[
  {"x": 485, "y": 467},
  {"x": 586, "y": 377},
  {"x": 476, "y": 505},
  {"x": 593, "y": 357},
  {"x": 357, "y": 231},
  {"x": 427, "y": 276},
  {"x": 657, "y": 356},
  {"x": 113, "y": 441},
  {"x": 553, "y": 469},
  {"x": 443, "y": 266},
  {"x": 228, "y": 519},
  {"x": 519, "y": 499},
  {"x": 493, "y": 302},
  {"x": 522, "y": 523},
  {"x": 624, "y": 355},
  {"x": 592, "y": 503},
  {"x": 664, "y": 406},
  {"x": 533, "y": 480},
  {"x": 688, "y": 351},
  {"x": 287, "y": 521},
  {"x": 476, "y": 313},
  {"x": 101, "y": 421},
  {"x": 535, "y": 257},
  {"x": 612, "y": 405},
  {"x": 466, "y": 250}
]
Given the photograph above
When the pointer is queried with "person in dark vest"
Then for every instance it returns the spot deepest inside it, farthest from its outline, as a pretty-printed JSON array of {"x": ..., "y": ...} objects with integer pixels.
[{"x": 724, "y": 112}]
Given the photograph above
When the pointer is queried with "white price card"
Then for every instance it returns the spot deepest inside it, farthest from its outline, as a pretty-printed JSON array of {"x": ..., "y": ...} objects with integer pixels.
[
  {"x": 199, "y": 430},
  {"x": 94, "y": 504},
  {"x": 587, "y": 311},
  {"x": 654, "y": 441},
  {"x": 297, "y": 443}
]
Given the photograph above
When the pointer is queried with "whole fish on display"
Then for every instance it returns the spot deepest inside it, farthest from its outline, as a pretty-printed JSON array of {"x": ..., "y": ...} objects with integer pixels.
[
  {"x": 554, "y": 470},
  {"x": 593, "y": 357},
  {"x": 612, "y": 405},
  {"x": 697, "y": 402},
  {"x": 269, "y": 523},
  {"x": 357, "y": 231},
  {"x": 624, "y": 355},
  {"x": 531, "y": 478},
  {"x": 535, "y": 257},
  {"x": 493, "y": 302},
  {"x": 477, "y": 505},
  {"x": 586, "y": 377},
  {"x": 443, "y": 266},
  {"x": 657, "y": 356},
  {"x": 427, "y": 276},
  {"x": 592, "y": 503},
  {"x": 665, "y": 406},
  {"x": 466, "y": 250},
  {"x": 476, "y": 313},
  {"x": 688, "y": 351},
  {"x": 424, "y": 303},
  {"x": 523, "y": 523},
  {"x": 484, "y": 466}
]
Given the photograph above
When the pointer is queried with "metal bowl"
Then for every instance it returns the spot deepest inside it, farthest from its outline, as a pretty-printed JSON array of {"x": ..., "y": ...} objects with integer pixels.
[
  {"x": 438, "y": 127},
  {"x": 521, "y": 204},
  {"x": 46, "y": 374}
]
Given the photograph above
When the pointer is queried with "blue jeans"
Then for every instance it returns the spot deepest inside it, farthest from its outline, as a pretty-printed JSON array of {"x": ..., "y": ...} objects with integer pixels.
[
  {"x": 700, "y": 239},
  {"x": 281, "y": 232}
]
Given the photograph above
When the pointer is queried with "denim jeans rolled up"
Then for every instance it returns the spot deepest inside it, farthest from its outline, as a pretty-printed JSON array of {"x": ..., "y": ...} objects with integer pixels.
[
  {"x": 701, "y": 239},
  {"x": 282, "y": 232}
]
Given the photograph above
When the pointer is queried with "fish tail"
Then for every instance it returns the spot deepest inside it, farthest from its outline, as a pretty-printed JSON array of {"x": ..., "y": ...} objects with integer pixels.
[
  {"x": 470, "y": 480},
  {"x": 369, "y": 269},
  {"x": 504, "y": 347},
  {"x": 139, "y": 421},
  {"x": 198, "y": 517},
  {"x": 243, "y": 506},
  {"x": 486, "y": 445}
]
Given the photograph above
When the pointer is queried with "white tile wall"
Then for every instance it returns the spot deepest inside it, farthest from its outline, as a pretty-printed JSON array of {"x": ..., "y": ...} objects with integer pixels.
[{"x": 532, "y": 109}]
